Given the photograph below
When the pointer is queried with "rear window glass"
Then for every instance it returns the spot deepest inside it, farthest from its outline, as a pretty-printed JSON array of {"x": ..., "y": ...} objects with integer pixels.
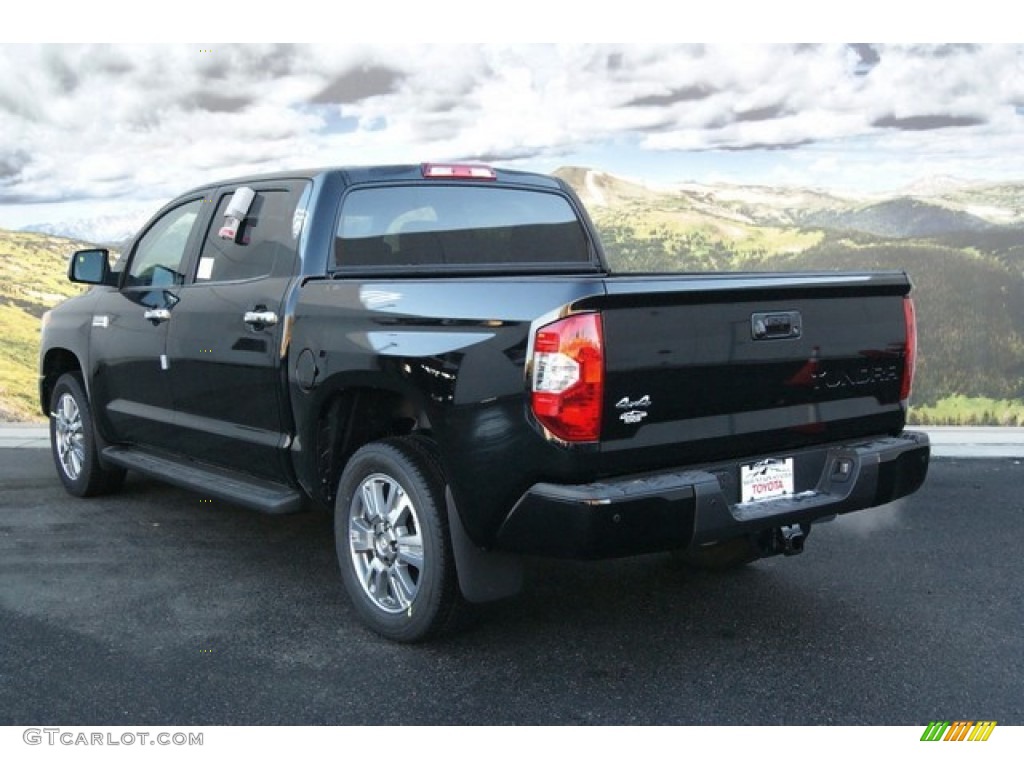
[{"x": 464, "y": 226}]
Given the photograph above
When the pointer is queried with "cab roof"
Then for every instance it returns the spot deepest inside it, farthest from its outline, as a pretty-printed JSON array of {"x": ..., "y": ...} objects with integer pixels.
[{"x": 410, "y": 173}]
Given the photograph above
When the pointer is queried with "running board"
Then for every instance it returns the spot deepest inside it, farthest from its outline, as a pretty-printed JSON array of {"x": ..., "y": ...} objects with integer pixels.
[{"x": 224, "y": 484}]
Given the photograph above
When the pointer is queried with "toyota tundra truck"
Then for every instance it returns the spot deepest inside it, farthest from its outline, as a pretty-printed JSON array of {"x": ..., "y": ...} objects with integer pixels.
[{"x": 441, "y": 357}]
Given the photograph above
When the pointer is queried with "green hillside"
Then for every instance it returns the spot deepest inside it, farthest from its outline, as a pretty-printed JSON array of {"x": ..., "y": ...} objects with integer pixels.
[
  {"x": 899, "y": 218},
  {"x": 33, "y": 277},
  {"x": 968, "y": 284},
  {"x": 647, "y": 238},
  {"x": 970, "y": 310}
]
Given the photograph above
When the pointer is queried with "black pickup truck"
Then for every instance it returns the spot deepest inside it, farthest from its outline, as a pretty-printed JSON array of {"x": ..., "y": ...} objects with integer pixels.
[{"x": 441, "y": 356}]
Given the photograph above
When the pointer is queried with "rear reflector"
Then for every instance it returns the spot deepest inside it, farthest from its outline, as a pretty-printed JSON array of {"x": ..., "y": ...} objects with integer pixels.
[
  {"x": 479, "y": 172},
  {"x": 567, "y": 382},
  {"x": 910, "y": 352}
]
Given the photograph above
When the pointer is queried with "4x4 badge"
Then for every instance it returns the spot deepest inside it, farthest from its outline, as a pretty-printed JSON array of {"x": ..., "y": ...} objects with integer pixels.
[{"x": 643, "y": 402}]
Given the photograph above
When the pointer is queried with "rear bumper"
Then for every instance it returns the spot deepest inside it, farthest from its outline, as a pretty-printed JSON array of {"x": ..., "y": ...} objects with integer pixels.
[{"x": 676, "y": 509}]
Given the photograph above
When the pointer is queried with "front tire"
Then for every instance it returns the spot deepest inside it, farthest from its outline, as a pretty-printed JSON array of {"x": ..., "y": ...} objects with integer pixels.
[
  {"x": 393, "y": 544},
  {"x": 73, "y": 443}
]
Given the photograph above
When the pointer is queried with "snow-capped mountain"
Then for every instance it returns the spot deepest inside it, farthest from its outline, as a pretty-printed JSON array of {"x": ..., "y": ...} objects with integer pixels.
[{"x": 106, "y": 230}]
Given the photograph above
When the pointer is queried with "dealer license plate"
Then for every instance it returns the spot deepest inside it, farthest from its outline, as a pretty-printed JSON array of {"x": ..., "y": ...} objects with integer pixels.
[{"x": 766, "y": 479}]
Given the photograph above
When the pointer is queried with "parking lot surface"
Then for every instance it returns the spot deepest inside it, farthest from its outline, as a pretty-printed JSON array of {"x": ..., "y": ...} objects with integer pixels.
[{"x": 156, "y": 607}]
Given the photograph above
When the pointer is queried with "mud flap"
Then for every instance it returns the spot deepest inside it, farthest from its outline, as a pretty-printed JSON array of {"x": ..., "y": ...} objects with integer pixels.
[{"x": 483, "y": 576}]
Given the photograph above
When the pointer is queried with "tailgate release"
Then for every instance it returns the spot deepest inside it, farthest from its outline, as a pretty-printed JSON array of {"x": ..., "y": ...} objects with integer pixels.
[{"x": 775, "y": 325}]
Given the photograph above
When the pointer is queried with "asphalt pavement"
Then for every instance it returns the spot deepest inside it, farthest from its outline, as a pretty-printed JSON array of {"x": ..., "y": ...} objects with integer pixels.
[{"x": 155, "y": 607}]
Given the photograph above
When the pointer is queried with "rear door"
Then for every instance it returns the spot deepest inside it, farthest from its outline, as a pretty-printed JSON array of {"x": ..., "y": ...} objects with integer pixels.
[{"x": 226, "y": 341}]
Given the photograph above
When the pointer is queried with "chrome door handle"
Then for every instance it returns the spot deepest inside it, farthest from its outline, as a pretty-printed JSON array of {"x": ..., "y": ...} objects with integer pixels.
[
  {"x": 260, "y": 318},
  {"x": 157, "y": 315}
]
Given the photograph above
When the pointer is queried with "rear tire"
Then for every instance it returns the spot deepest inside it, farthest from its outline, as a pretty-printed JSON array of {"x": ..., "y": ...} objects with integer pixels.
[
  {"x": 393, "y": 543},
  {"x": 73, "y": 443}
]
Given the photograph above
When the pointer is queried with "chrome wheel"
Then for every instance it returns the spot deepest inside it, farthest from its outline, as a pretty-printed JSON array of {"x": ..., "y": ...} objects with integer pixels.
[
  {"x": 386, "y": 543},
  {"x": 69, "y": 436},
  {"x": 72, "y": 442},
  {"x": 392, "y": 540}
]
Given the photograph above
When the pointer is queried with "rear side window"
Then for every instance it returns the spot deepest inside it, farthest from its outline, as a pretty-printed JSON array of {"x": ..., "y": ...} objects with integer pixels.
[
  {"x": 459, "y": 226},
  {"x": 265, "y": 244}
]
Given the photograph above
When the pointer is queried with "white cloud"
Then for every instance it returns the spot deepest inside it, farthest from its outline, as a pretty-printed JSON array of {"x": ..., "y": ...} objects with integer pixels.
[{"x": 82, "y": 122}]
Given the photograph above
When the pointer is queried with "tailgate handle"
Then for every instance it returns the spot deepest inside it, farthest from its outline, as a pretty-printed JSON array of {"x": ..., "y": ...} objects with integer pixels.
[{"x": 775, "y": 325}]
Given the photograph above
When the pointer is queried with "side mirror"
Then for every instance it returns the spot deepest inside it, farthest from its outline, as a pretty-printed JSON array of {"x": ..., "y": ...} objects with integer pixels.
[{"x": 91, "y": 267}]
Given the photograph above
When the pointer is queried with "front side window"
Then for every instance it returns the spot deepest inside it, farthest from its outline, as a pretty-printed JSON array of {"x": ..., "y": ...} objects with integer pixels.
[
  {"x": 160, "y": 255},
  {"x": 467, "y": 226}
]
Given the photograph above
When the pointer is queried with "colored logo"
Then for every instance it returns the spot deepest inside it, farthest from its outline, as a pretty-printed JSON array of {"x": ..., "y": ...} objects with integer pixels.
[{"x": 961, "y": 730}]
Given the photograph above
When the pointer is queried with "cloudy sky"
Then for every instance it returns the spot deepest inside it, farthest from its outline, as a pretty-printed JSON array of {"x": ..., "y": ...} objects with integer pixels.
[{"x": 106, "y": 129}]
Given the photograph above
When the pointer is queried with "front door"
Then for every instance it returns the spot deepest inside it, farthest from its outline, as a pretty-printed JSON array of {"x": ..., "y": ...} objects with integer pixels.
[{"x": 130, "y": 386}]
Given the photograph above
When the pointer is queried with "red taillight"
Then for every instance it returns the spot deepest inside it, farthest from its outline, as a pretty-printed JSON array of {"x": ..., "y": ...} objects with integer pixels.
[
  {"x": 567, "y": 384},
  {"x": 910, "y": 352},
  {"x": 458, "y": 171}
]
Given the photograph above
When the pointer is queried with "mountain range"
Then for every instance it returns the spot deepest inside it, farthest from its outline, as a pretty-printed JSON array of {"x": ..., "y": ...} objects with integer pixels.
[
  {"x": 927, "y": 208},
  {"x": 102, "y": 230},
  {"x": 961, "y": 242}
]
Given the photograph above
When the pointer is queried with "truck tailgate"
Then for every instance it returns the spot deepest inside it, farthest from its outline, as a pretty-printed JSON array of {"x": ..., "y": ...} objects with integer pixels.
[{"x": 700, "y": 368}]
